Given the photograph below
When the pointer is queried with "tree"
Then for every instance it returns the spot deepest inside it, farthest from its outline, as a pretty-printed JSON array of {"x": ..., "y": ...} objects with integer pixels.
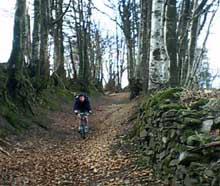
[
  {"x": 16, "y": 61},
  {"x": 171, "y": 40},
  {"x": 40, "y": 59},
  {"x": 128, "y": 11},
  {"x": 57, "y": 31},
  {"x": 176, "y": 50},
  {"x": 158, "y": 57},
  {"x": 182, "y": 42},
  {"x": 144, "y": 43},
  {"x": 199, "y": 19},
  {"x": 35, "y": 62},
  {"x": 44, "y": 34},
  {"x": 98, "y": 47},
  {"x": 82, "y": 15}
]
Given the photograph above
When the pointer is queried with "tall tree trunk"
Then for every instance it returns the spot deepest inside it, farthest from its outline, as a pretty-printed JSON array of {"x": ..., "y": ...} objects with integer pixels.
[
  {"x": 171, "y": 40},
  {"x": 193, "y": 41},
  {"x": 157, "y": 64},
  {"x": 72, "y": 59},
  {"x": 117, "y": 60},
  {"x": 35, "y": 62},
  {"x": 86, "y": 65},
  {"x": 182, "y": 32},
  {"x": 44, "y": 32},
  {"x": 83, "y": 38},
  {"x": 58, "y": 41},
  {"x": 16, "y": 60},
  {"x": 27, "y": 38},
  {"x": 130, "y": 58},
  {"x": 194, "y": 34},
  {"x": 127, "y": 11},
  {"x": 144, "y": 43},
  {"x": 99, "y": 60}
]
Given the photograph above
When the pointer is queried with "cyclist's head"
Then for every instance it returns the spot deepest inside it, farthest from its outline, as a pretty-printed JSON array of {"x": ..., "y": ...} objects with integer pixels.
[{"x": 82, "y": 98}]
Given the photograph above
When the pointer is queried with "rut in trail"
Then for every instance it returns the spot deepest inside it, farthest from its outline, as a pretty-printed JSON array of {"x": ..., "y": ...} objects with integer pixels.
[{"x": 59, "y": 157}]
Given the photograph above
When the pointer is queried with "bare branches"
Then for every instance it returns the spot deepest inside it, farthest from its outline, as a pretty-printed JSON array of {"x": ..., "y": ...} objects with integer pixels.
[
  {"x": 62, "y": 15},
  {"x": 110, "y": 17},
  {"x": 197, "y": 63}
]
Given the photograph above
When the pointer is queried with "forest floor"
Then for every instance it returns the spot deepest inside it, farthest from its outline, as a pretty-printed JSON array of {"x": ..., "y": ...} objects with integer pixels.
[{"x": 58, "y": 156}]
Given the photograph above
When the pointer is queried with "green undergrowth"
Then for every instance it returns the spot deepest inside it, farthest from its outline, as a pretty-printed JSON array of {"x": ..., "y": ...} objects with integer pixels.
[
  {"x": 30, "y": 104},
  {"x": 13, "y": 119},
  {"x": 52, "y": 98},
  {"x": 16, "y": 117}
]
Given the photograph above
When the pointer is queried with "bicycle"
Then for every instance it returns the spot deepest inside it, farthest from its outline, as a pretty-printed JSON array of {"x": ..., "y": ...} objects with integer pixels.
[{"x": 83, "y": 127}]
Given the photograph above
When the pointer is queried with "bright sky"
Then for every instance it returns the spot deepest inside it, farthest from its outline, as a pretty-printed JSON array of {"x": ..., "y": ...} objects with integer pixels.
[
  {"x": 213, "y": 43},
  {"x": 6, "y": 31},
  {"x": 6, "y": 24}
]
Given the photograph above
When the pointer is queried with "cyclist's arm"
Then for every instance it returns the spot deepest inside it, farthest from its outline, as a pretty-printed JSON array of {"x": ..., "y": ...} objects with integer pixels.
[
  {"x": 76, "y": 106},
  {"x": 88, "y": 105}
]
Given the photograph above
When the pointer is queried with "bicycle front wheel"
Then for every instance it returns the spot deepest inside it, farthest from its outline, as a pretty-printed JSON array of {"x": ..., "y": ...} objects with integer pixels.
[{"x": 82, "y": 131}]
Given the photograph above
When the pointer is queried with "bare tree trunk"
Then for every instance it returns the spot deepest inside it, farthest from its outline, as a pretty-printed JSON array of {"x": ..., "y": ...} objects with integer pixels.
[
  {"x": 35, "y": 62},
  {"x": 127, "y": 11},
  {"x": 16, "y": 60},
  {"x": 122, "y": 60},
  {"x": 200, "y": 56},
  {"x": 193, "y": 41},
  {"x": 157, "y": 68},
  {"x": 81, "y": 24},
  {"x": 171, "y": 40},
  {"x": 183, "y": 27},
  {"x": 44, "y": 32},
  {"x": 99, "y": 59},
  {"x": 58, "y": 41},
  {"x": 194, "y": 34},
  {"x": 27, "y": 38},
  {"x": 144, "y": 44},
  {"x": 40, "y": 58},
  {"x": 72, "y": 60},
  {"x": 117, "y": 60}
]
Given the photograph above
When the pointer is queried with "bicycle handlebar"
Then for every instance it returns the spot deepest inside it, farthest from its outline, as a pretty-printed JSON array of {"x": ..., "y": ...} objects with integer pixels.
[{"x": 84, "y": 114}]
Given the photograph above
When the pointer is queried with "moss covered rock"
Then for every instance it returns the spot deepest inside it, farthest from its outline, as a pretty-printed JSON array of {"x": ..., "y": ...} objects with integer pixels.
[
  {"x": 199, "y": 104},
  {"x": 199, "y": 139},
  {"x": 171, "y": 136}
]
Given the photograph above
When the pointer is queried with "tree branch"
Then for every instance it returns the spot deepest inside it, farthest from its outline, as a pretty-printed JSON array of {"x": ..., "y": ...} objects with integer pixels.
[
  {"x": 197, "y": 63},
  {"x": 112, "y": 19},
  {"x": 62, "y": 15}
]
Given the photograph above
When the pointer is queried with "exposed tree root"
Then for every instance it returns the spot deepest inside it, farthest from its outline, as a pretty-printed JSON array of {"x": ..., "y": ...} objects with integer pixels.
[
  {"x": 4, "y": 143},
  {"x": 4, "y": 152},
  {"x": 21, "y": 91},
  {"x": 57, "y": 81}
]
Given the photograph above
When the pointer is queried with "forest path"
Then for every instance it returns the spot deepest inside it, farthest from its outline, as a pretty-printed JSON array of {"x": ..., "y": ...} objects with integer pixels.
[{"x": 59, "y": 156}]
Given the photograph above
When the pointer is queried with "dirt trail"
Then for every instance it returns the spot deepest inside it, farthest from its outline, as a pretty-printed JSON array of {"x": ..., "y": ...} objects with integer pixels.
[{"x": 58, "y": 156}]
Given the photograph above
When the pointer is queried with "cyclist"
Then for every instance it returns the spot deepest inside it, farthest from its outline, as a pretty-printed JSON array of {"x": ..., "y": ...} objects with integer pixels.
[{"x": 82, "y": 104}]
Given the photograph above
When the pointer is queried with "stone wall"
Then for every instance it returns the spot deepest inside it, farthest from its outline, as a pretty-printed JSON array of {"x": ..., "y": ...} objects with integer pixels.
[{"x": 180, "y": 140}]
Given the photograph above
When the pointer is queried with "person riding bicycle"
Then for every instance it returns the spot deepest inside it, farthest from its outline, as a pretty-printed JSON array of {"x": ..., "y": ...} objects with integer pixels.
[{"x": 82, "y": 105}]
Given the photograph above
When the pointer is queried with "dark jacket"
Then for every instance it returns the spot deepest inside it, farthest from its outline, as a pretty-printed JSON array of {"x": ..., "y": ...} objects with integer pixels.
[{"x": 82, "y": 106}]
